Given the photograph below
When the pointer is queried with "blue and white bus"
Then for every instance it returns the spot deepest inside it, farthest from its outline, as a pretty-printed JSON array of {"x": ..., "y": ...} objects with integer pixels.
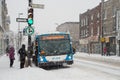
[{"x": 53, "y": 49}]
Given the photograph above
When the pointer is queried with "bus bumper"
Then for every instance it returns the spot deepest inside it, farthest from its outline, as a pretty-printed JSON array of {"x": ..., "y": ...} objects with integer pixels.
[{"x": 45, "y": 64}]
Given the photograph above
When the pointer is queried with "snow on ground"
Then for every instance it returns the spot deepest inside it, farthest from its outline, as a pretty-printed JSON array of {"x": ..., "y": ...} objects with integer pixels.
[
  {"x": 98, "y": 56},
  {"x": 35, "y": 73},
  {"x": 15, "y": 73}
]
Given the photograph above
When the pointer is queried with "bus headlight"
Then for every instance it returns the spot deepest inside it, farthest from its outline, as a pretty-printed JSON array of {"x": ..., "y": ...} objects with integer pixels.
[
  {"x": 41, "y": 59},
  {"x": 70, "y": 57}
]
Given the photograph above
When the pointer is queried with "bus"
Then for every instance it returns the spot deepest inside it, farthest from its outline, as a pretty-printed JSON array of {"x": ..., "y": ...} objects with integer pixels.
[{"x": 53, "y": 49}]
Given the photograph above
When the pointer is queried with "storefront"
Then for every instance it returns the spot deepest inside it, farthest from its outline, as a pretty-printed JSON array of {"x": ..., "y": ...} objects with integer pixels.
[
  {"x": 110, "y": 42},
  {"x": 118, "y": 46},
  {"x": 94, "y": 45},
  {"x": 84, "y": 45}
]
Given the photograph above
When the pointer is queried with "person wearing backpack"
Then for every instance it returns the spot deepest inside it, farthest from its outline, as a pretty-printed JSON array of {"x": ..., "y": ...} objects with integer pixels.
[{"x": 22, "y": 53}]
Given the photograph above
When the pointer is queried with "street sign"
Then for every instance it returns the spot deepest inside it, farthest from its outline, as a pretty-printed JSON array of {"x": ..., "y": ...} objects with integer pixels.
[
  {"x": 102, "y": 39},
  {"x": 21, "y": 19},
  {"x": 41, "y": 6},
  {"x": 29, "y": 30}
]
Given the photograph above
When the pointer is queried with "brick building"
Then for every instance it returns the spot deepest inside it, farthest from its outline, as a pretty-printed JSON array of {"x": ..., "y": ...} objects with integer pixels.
[
  {"x": 90, "y": 30},
  {"x": 110, "y": 28}
]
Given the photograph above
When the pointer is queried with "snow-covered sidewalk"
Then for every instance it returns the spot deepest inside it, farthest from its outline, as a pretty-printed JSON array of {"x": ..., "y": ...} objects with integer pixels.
[{"x": 27, "y": 73}]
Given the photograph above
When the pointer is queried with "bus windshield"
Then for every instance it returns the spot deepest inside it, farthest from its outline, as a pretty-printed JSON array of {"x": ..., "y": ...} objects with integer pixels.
[{"x": 55, "y": 47}]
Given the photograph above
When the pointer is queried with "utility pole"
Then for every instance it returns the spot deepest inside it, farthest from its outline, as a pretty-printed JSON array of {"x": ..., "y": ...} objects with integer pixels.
[
  {"x": 102, "y": 23},
  {"x": 30, "y": 3}
]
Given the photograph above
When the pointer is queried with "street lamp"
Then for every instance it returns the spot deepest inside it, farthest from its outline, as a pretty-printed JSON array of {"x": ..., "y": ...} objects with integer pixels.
[{"x": 19, "y": 14}]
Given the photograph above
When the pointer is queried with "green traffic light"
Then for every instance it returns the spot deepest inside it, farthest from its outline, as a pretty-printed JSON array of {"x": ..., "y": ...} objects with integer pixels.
[{"x": 30, "y": 21}]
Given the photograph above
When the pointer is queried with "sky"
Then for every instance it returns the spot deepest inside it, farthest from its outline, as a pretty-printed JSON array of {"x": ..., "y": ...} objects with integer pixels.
[{"x": 55, "y": 12}]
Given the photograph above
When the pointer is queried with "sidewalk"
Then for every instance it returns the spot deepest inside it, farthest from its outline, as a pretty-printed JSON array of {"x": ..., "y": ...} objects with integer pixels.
[{"x": 114, "y": 60}]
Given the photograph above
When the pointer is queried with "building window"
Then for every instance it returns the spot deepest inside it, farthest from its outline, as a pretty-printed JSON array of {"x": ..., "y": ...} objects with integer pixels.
[
  {"x": 86, "y": 20},
  {"x": 114, "y": 11},
  {"x": 84, "y": 33},
  {"x": 114, "y": 24},
  {"x": 81, "y": 22},
  {"x": 118, "y": 22},
  {"x": 81, "y": 33},
  {"x": 104, "y": 30},
  {"x": 105, "y": 14},
  {"x": 91, "y": 31},
  {"x": 87, "y": 32},
  {"x": 91, "y": 17},
  {"x": 98, "y": 30},
  {"x": 98, "y": 15}
]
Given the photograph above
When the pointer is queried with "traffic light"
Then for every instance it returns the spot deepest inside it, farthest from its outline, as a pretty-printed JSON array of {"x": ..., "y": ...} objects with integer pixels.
[{"x": 30, "y": 16}]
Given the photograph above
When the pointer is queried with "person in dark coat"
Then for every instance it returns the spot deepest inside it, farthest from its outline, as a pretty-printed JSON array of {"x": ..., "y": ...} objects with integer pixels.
[
  {"x": 108, "y": 51},
  {"x": 11, "y": 55},
  {"x": 23, "y": 54}
]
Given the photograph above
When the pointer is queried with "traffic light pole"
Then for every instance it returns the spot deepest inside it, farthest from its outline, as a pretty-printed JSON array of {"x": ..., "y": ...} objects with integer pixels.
[
  {"x": 29, "y": 2},
  {"x": 29, "y": 41},
  {"x": 29, "y": 50},
  {"x": 30, "y": 29}
]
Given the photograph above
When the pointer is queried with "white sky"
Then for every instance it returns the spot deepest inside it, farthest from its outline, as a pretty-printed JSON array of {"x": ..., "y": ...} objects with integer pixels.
[{"x": 55, "y": 12}]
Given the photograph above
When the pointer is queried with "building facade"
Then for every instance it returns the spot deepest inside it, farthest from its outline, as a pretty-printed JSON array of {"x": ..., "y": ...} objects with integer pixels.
[
  {"x": 118, "y": 32},
  {"x": 110, "y": 25},
  {"x": 90, "y": 30},
  {"x": 4, "y": 26},
  {"x": 100, "y": 27},
  {"x": 73, "y": 29}
]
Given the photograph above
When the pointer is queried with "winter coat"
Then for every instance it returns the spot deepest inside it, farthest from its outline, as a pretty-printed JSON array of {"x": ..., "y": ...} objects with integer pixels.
[
  {"x": 11, "y": 53},
  {"x": 22, "y": 53}
]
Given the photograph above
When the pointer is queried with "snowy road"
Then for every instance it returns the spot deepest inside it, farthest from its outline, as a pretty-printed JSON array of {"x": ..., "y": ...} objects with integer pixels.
[
  {"x": 80, "y": 70},
  {"x": 104, "y": 70}
]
